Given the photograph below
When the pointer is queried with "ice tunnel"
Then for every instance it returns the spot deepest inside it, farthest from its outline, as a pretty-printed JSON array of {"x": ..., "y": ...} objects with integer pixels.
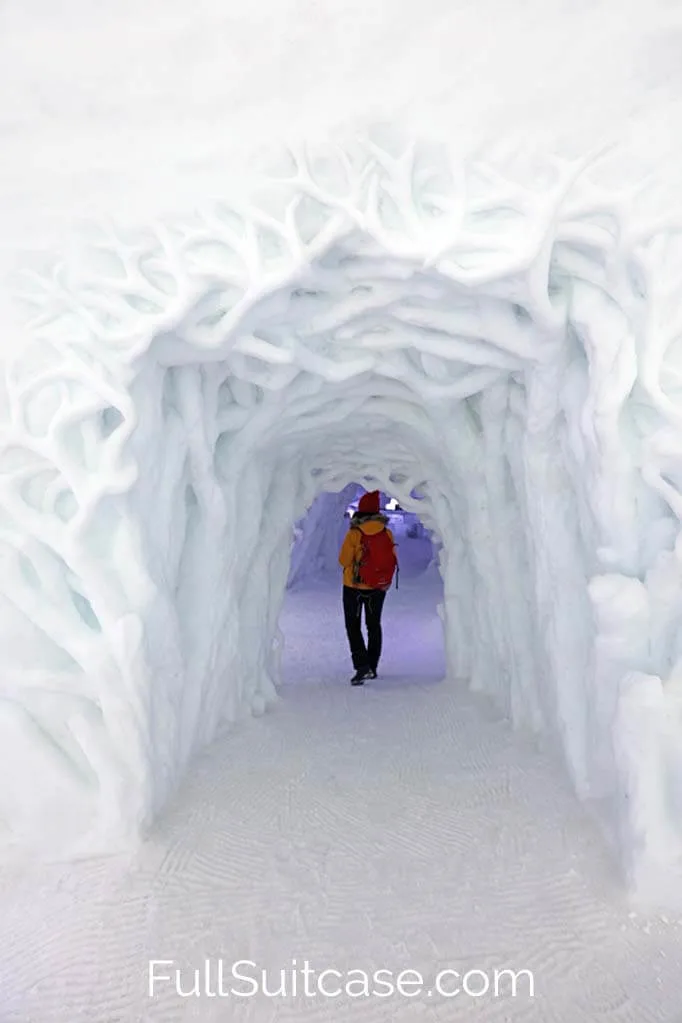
[{"x": 501, "y": 341}]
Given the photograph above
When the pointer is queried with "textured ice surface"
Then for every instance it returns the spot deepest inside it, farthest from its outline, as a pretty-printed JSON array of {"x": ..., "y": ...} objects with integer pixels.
[
  {"x": 398, "y": 826},
  {"x": 501, "y": 345}
]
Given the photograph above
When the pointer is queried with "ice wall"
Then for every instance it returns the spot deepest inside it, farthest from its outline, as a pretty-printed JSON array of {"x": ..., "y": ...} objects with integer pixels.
[
  {"x": 497, "y": 336},
  {"x": 316, "y": 550}
]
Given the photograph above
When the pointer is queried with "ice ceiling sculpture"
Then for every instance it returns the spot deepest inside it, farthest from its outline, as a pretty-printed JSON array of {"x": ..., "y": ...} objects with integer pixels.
[{"x": 503, "y": 338}]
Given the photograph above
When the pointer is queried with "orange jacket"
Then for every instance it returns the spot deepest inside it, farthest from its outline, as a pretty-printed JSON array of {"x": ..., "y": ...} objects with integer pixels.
[{"x": 351, "y": 549}]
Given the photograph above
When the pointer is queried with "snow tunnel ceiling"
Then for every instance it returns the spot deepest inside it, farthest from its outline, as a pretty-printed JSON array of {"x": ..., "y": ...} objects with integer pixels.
[
  {"x": 388, "y": 275},
  {"x": 502, "y": 336},
  {"x": 382, "y": 272}
]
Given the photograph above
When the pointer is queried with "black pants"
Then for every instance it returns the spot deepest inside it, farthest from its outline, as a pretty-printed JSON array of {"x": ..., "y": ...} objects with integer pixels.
[{"x": 373, "y": 603}]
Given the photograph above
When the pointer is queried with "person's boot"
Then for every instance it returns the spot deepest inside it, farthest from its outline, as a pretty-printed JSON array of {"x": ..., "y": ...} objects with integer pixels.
[
  {"x": 360, "y": 675},
  {"x": 372, "y": 673}
]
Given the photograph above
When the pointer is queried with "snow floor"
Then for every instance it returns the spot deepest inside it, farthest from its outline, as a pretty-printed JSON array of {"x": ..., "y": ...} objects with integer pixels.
[{"x": 395, "y": 826}]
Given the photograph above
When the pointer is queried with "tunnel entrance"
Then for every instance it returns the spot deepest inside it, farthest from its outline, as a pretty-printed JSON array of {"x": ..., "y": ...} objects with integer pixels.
[{"x": 470, "y": 332}]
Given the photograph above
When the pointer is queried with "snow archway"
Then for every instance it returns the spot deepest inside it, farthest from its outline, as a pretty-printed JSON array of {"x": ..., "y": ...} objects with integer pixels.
[{"x": 503, "y": 341}]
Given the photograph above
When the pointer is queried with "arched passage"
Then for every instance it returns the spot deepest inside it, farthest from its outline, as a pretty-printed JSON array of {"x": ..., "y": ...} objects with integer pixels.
[{"x": 486, "y": 334}]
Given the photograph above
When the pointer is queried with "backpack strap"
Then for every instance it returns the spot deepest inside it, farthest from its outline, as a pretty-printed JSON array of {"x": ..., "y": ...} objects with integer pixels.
[{"x": 358, "y": 557}]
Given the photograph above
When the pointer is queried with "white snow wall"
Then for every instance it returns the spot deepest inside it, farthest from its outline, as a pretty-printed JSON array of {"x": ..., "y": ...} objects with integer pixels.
[
  {"x": 508, "y": 335},
  {"x": 316, "y": 550}
]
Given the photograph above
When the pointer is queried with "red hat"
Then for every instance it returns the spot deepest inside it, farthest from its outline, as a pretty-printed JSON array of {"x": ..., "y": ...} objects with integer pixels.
[{"x": 369, "y": 503}]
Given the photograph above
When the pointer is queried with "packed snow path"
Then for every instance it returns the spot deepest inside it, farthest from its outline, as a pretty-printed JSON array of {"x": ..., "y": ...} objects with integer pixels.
[{"x": 393, "y": 826}]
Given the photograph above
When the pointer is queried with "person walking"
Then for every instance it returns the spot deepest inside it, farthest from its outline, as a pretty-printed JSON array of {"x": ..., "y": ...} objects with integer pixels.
[{"x": 369, "y": 562}]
